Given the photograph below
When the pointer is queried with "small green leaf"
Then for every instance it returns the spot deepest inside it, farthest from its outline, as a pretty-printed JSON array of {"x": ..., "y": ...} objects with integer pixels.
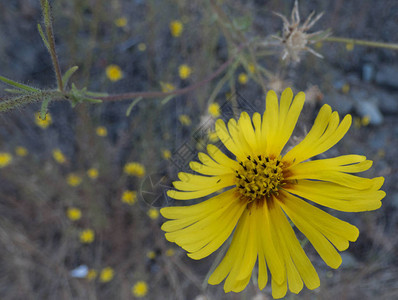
[
  {"x": 18, "y": 85},
  {"x": 167, "y": 99},
  {"x": 68, "y": 74},
  {"x": 44, "y": 106},
  {"x": 15, "y": 91},
  {"x": 92, "y": 100},
  {"x": 131, "y": 106},
  {"x": 43, "y": 37}
]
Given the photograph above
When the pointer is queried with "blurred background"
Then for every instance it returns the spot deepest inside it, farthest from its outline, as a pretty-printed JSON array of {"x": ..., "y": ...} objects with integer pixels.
[{"x": 80, "y": 191}]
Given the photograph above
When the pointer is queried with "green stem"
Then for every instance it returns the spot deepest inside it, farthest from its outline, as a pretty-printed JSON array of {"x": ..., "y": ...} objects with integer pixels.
[
  {"x": 361, "y": 42},
  {"x": 51, "y": 42}
]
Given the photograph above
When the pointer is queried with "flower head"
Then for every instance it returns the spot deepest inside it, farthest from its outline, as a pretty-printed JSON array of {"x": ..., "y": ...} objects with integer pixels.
[
  {"x": 141, "y": 47},
  {"x": 101, "y": 131},
  {"x": 5, "y": 159},
  {"x": 153, "y": 213},
  {"x": 243, "y": 78},
  {"x": 134, "y": 169},
  {"x": 114, "y": 73},
  {"x": 214, "y": 110},
  {"x": 91, "y": 274},
  {"x": 87, "y": 236},
  {"x": 140, "y": 289},
  {"x": 92, "y": 173},
  {"x": 185, "y": 120},
  {"x": 166, "y": 154},
  {"x": 58, "y": 156},
  {"x": 106, "y": 274},
  {"x": 261, "y": 188},
  {"x": 73, "y": 213},
  {"x": 295, "y": 38},
  {"x": 184, "y": 71},
  {"x": 43, "y": 123},
  {"x": 176, "y": 28},
  {"x": 167, "y": 87},
  {"x": 121, "y": 22},
  {"x": 129, "y": 197},
  {"x": 21, "y": 151},
  {"x": 73, "y": 180}
]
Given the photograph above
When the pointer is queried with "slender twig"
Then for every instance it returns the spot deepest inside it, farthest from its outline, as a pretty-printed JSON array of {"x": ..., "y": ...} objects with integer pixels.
[
  {"x": 51, "y": 41},
  {"x": 361, "y": 42},
  {"x": 190, "y": 88}
]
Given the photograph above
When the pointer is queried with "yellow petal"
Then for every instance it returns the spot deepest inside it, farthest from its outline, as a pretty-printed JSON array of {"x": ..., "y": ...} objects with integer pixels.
[
  {"x": 246, "y": 127},
  {"x": 336, "y": 196},
  {"x": 227, "y": 140}
]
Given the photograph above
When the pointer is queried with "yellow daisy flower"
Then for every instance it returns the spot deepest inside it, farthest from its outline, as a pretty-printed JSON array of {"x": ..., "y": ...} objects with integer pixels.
[
  {"x": 166, "y": 154},
  {"x": 121, "y": 22},
  {"x": 140, "y": 289},
  {"x": 91, "y": 275},
  {"x": 129, "y": 197},
  {"x": 5, "y": 159},
  {"x": 21, "y": 151},
  {"x": 106, "y": 274},
  {"x": 176, "y": 28},
  {"x": 184, "y": 71},
  {"x": 243, "y": 78},
  {"x": 87, "y": 236},
  {"x": 141, "y": 47},
  {"x": 185, "y": 120},
  {"x": 264, "y": 188},
  {"x": 43, "y": 123},
  {"x": 134, "y": 169},
  {"x": 167, "y": 87},
  {"x": 114, "y": 73},
  {"x": 153, "y": 213},
  {"x": 73, "y": 213},
  {"x": 92, "y": 173},
  {"x": 58, "y": 156},
  {"x": 151, "y": 254},
  {"x": 73, "y": 180},
  {"x": 214, "y": 110},
  {"x": 101, "y": 131}
]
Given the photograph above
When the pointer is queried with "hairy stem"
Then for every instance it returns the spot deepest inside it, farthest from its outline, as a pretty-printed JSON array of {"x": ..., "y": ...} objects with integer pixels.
[{"x": 361, "y": 42}]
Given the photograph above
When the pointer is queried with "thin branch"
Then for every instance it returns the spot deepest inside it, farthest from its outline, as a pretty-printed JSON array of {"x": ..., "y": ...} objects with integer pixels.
[
  {"x": 361, "y": 42},
  {"x": 51, "y": 42}
]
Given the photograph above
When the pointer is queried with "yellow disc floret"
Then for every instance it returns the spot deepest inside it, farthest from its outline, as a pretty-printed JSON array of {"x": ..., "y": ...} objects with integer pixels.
[{"x": 259, "y": 176}]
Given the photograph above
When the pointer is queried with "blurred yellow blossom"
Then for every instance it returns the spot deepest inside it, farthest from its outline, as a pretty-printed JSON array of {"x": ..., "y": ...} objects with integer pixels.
[
  {"x": 153, "y": 213},
  {"x": 251, "y": 67},
  {"x": 166, "y": 154},
  {"x": 91, "y": 275},
  {"x": 318, "y": 45},
  {"x": 92, "y": 173},
  {"x": 106, "y": 274},
  {"x": 101, "y": 131},
  {"x": 121, "y": 22},
  {"x": 129, "y": 197},
  {"x": 73, "y": 179},
  {"x": 170, "y": 252},
  {"x": 58, "y": 156},
  {"x": 349, "y": 46},
  {"x": 5, "y": 159},
  {"x": 185, "y": 120},
  {"x": 43, "y": 123},
  {"x": 73, "y": 213},
  {"x": 140, "y": 289},
  {"x": 345, "y": 88},
  {"x": 213, "y": 137},
  {"x": 184, "y": 71},
  {"x": 214, "y": 110},
  {"x": 176, "y": 28},
  {"x": 151, "y": 254},
  {"x": 114, "y": 73},
  {"x": 87, "y": 236},
  {"x": 21, "y": 151},
  {"x": 365, "y": 120},
  {"x": 134, "y": 169},
  {"x": 167, "y": 87},
  {"x": 141, "y": 47},
  {"x": 243, "y": 78}
]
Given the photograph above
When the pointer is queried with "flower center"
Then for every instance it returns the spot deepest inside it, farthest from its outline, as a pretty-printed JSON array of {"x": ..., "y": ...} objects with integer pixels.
[{"x": 258, "y": 177}]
